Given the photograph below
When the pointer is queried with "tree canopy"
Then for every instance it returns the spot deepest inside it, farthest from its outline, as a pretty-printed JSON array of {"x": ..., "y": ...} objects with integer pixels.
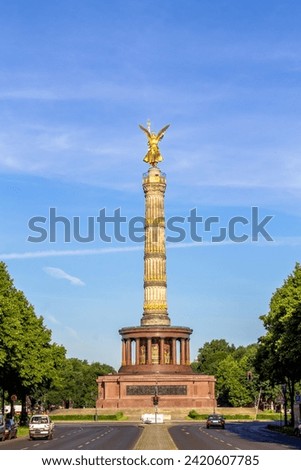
[
  {"x": 279, "y": 353},
  {"x": 77, "y": 385},
  {"x": 28, "y": 357},
  {"x": 231, "y": 367}
]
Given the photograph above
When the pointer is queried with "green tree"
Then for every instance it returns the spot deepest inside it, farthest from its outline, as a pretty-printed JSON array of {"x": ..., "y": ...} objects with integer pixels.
[
  {"x": 236, "y": 379},
  {"x": 231, "y": 383},
  {"x": 77, "y": 385},
  {"x": 236, "y": 382},
  {"x": 210, "y": 356},
  {"x": 28, "y": 358},
  {"x": 279, "y": 353}
]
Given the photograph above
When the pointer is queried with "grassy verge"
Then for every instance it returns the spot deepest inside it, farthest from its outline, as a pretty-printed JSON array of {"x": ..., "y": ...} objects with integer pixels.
[
  {"x": 22, "y": 431},
  {"x": 288, "y": 430}
]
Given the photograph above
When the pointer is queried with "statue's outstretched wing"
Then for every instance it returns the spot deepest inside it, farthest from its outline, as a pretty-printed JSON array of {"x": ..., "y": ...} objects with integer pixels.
[
  {"x": 145, "y": 130},
  {"x": 161, "y": 133}
]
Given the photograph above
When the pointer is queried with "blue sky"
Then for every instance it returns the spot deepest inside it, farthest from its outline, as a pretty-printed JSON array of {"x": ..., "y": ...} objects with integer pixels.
[{"x": 76, "y": 80}]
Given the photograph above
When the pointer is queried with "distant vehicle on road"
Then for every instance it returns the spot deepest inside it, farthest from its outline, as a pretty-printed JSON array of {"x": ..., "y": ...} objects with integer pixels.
[
  {"x": 11, "y": 428},
  {"x": 215, "y": 420},
  {"x": 41, "y": 426}
]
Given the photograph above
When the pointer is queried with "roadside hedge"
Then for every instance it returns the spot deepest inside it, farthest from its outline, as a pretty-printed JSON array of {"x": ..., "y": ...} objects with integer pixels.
[
  {"x": 91, "y": 417},
  {"x": 193, "y": 414}
]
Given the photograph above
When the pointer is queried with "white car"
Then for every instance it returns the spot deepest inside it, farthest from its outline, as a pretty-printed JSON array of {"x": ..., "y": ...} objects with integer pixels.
[{"x": 41, "y": 426}]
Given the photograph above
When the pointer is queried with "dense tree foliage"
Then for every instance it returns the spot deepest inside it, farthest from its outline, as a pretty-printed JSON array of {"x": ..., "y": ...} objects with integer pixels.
[
  {"x": 28, "y": 358},
  {"x": 210, "y": 356},
  {"x": 279, "y": 352},
  {"x": 236, "y": 382},
  {"x": 77, "y": 385}
]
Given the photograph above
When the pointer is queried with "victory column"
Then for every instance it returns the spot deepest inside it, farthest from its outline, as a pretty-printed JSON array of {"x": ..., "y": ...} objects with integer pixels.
[{"x": 155, "y": 355}]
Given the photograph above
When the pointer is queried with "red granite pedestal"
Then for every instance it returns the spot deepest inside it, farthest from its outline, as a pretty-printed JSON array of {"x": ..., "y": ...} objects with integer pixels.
[
  {"x": 155, "y": 361},
  {"x": 124, "y": 391}
]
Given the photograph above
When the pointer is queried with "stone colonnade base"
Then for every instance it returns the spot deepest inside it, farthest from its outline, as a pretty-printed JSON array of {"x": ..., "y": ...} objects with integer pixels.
[{"x": 124, "y": 391}]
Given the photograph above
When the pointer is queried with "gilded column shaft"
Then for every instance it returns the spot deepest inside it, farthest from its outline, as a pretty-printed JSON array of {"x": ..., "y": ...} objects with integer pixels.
[{"x": 155, "y": 299}]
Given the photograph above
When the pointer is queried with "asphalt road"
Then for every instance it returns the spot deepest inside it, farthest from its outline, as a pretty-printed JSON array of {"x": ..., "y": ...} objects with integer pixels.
[
  {"x": 81, "y": 437},
  {"x": 235, "y": 436},
  {"x": 123, "y": 436}
]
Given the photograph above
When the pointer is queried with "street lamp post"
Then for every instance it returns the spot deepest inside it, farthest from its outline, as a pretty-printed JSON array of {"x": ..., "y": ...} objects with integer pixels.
[
  {"x": 284, "y": 388},
  {"x": 257, "y": 403},
  {"x": 155, "y": 402}
]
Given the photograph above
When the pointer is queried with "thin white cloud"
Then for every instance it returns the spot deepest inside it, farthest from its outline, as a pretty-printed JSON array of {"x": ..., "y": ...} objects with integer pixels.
[
  {"x": 53, "y": 319},
  {"x": 54, "y": 253},
  {"x": 89, "y": 156},
  {"x": 71, "y": 332},
  {"x": 60, "y": 274},
  {"x": 105, "y": 90}
]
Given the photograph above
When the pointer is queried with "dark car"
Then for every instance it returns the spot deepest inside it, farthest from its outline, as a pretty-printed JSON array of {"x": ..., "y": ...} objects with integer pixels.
[
  {"x": 11, "y": 428},
  {"x": 215, "y": 420}
]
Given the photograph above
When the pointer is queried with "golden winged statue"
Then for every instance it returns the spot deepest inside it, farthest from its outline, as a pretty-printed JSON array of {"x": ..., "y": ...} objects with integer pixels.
[{"x": 153, "y": 155}]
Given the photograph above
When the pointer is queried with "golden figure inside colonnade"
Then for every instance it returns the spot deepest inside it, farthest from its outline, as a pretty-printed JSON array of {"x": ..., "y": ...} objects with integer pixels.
[{"x": 153, "y": 155}]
